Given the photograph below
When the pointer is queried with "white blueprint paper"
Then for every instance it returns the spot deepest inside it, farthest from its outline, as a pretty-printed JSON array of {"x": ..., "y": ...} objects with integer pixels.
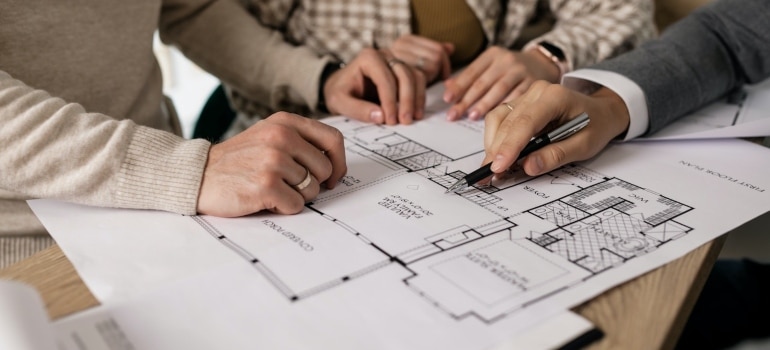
[
  {"x": 392, "y": 247},
  {"x": 24, "y": 323},
  {"x": 746, "y": 113},
  {"x": 239, "y": 314}
]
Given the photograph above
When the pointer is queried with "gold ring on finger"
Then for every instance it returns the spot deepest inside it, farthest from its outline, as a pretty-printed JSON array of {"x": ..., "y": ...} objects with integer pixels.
[{"x": 305, "y": 183}]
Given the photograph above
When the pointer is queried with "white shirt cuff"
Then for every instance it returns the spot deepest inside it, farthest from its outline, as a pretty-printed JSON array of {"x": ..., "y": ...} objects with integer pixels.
[{"x": 586, "y": 80}]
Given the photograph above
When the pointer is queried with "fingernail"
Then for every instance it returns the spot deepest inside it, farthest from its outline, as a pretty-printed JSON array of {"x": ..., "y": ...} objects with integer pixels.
[
  {"x": 538, "y": 165},
  {"x": 408, "y": 118},
  {"x": 376, "y": 116},
  {"x": 448, "y": 97},
  {"x": 474, "y": 115},
  {"x": 496, "y": 164},
  {"x": 451, "y": 114}
]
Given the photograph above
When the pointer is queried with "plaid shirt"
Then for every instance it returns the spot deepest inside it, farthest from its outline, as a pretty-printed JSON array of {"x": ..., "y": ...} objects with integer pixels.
[{"x": 588, "y": 31}]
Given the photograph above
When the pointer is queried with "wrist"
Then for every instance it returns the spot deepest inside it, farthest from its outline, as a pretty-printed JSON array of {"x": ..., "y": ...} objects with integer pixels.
[
  {"x": 545, "y": 70},
  {"x": 554, "y": 55},
  {"x": 616, "y": 108},
  {"x": 329, "y": 69}
]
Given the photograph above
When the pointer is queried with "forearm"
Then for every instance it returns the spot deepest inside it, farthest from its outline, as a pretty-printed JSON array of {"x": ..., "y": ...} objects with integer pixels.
[
  {"x": 54, "y": 149},
  {"x": 255, "y": 61},
  {"x": 699, "y": 59},
  {"x": 590, "y": 31}
]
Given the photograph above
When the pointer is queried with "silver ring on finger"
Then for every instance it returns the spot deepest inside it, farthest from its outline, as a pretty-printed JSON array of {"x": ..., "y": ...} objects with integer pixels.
[
  {"x": 392, "y": 62},
  {"x": 506, "y": 104},
  {"x": 305, "y": 183}
]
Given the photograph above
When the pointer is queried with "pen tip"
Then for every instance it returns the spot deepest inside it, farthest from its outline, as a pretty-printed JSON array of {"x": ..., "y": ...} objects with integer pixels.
[{"x": 456, "y": 186}]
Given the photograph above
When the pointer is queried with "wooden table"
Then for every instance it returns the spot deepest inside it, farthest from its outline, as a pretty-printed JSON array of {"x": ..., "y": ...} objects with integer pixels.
[{"x": 648, "y": 312}]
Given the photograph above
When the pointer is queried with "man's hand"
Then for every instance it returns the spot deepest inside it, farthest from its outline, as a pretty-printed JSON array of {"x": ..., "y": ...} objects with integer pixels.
[
  {"x": 497, "y": 75},
  {"x": 429, "y": 56},
  {"x": 543, "y": 107},
  {"x": 259, "y": 168},
  {"x": 373, "y": 75}
]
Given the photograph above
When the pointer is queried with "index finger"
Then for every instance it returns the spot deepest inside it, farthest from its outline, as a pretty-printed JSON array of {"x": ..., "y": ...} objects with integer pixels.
[
  {"x": 458, "y": 85},
  {"x": 514, "y": 131},
  {"x": 407, "y": 92},
  {"x": 491, "y": 124},
  {"x": 383, "y": 78}
]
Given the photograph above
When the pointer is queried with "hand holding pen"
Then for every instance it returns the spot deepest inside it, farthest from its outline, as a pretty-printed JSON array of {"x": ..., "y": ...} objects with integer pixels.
[
  {"x": 509, "y": 129},
  {"x": 535, "y": 144}
]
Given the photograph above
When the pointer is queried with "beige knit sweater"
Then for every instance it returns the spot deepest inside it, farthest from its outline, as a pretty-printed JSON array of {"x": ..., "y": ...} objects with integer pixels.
[{"x": 82, "y": 114}]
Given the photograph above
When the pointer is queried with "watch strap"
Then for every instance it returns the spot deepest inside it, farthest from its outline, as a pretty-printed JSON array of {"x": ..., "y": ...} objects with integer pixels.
[{"x": 555, "y": 54}]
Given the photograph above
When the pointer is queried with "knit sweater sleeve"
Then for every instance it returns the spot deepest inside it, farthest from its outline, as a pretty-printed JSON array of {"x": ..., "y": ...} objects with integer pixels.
[
  {"x": 252, "y": 59},
  {"x": 53, "y": 149}
]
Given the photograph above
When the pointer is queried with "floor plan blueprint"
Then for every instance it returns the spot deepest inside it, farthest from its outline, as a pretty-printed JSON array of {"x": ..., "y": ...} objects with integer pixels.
[
  {"x": 485, "y": 252},
  {"x": 388, "y": 260}
]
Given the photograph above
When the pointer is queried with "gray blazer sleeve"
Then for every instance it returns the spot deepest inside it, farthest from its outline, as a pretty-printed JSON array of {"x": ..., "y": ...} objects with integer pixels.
[{"x": 702, "y": 57}]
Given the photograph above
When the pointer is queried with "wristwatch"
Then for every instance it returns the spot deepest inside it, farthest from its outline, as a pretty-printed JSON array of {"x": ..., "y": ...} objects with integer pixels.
[{"x": 556, "y": 55}]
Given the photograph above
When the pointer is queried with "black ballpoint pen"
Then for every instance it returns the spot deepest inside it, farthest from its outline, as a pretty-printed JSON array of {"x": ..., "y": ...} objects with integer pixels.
[{"x": 535, "y": 144}]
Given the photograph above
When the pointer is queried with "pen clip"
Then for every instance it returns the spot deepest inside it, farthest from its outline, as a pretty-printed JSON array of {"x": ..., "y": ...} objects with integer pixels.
[{"x": 569, "y": 128}]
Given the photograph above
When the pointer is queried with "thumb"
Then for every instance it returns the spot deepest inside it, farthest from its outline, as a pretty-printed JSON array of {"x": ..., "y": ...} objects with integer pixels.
[{"x": 575, "y": 148}]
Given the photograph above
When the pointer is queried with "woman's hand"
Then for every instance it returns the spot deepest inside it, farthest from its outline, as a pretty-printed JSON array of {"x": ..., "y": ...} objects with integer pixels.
[
  {"x": 543, "y": 107},
  {"x": 429, "y": 56},
  {"x": 497, "y": 75},
  {"x": 376, "y": 76}
]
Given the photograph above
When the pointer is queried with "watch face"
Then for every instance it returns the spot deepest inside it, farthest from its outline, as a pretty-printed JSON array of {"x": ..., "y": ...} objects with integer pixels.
[{"x": 554, "y": 50}]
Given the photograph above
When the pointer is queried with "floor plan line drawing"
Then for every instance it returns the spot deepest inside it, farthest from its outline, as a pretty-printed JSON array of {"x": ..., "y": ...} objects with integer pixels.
[
  {"x": 387, "y": 260},
  {"x": 519, "y": 240},
  {"x": 342, "y": 193}
]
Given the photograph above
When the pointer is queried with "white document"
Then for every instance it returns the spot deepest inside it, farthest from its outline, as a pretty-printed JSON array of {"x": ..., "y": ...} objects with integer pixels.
[
  {"x": 745, "y": 113},
  {"x": 387, "y": 252},
  {"x": 242, "y": 314},
  {"x": 24, "y": 323}
]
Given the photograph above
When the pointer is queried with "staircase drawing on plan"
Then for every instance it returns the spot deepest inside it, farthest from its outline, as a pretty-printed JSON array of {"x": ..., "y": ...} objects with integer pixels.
[{"x": 483, "y": 253}]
